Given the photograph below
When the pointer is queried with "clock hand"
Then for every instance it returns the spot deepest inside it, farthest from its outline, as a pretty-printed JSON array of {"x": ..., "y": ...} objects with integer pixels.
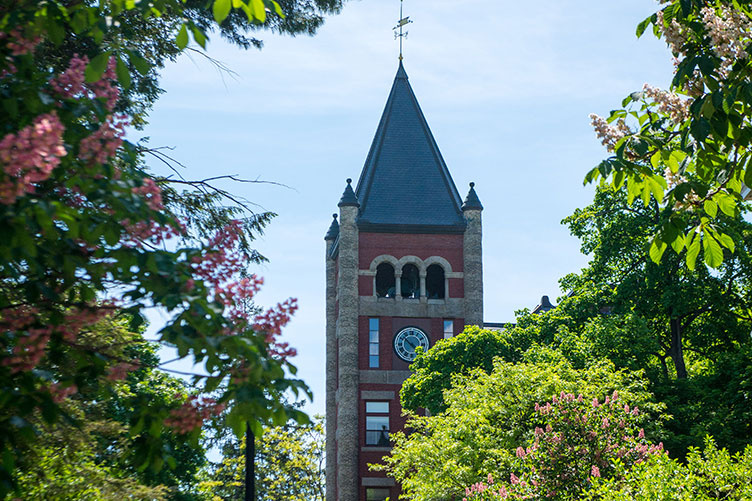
[{"x": 413, "y": 346}]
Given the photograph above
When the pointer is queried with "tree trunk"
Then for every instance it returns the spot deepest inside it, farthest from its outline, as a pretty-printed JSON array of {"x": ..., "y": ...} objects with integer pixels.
[
  {"x": 676, "y": 351},
  {"x": 250, "y": 473}
]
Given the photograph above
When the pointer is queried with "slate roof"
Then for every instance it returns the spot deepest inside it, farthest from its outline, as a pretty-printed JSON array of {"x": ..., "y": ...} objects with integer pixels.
[
  {"x": 405, "y": 185},
  {"x": 472, "y": 202},
  {"x": 348, "y": 197},
  {"x": 333, "y": 232}
]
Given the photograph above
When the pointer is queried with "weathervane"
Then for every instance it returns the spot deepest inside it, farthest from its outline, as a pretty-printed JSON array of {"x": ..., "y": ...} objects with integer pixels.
[{"x": 404, "y": 21}]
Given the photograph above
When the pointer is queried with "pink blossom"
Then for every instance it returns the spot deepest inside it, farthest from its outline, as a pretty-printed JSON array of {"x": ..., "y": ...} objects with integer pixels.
[
  {"x": 151, "y": 192},
  {"x": 100, "y": 146},
  {"x": 30, "y": 156},
  {"x": 595, "y": 471},
  {"x": 71, "y": 82},
  {"x": 192, "y": 414}
]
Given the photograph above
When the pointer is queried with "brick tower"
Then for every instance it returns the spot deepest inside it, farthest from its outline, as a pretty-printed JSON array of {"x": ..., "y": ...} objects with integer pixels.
[{"x": 403, "y": 269}]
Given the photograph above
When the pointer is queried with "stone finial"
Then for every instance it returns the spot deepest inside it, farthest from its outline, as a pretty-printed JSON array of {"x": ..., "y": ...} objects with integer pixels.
[
  {"x": 333, "y": 231},
  {"x": 348, "y": 197},
  {"x": 472, "y": 202}
]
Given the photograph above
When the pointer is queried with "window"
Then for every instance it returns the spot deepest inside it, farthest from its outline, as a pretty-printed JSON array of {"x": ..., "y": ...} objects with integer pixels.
[
  {"x": 435, "y": 282},
  {"x": 448, "y": 328},
  {"x": 410, "y": 282},
  {"x": 385, "y": 282},
  {"x": 373, "y": 342},
  {"x": 379, "y": 494},
  {"x": 377, "y": 424}
]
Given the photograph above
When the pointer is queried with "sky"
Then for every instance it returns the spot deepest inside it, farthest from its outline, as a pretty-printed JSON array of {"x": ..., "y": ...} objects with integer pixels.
[{"x": 506, "y": 88}]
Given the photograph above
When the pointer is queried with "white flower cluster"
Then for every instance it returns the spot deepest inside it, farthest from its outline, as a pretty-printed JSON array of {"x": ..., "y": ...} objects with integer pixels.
[
  {"x": 730, "y": 32},
  {"x": 673, "y": 33},
  {"x": 690, "y": 200},
  {"x": 668, "y": 102},
  {"x": 607, "y": 133}
]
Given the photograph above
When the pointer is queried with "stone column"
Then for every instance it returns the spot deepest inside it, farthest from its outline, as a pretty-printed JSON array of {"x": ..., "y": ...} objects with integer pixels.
[
  {"x": 347, "y": 337},
  {"x": 331, "y": 363},
  {"x": 473, "y": 259}
]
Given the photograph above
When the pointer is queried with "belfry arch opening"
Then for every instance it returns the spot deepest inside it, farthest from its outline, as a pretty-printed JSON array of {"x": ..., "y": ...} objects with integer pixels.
[
  {"x": 410, "y": 281},
  {"x": 435, "y": 288},
  {"x": 385, "y": 282}
]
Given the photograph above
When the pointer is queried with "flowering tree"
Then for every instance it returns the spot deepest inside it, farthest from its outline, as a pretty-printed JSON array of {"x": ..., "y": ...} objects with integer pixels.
[
  {"x": 688, "y": 148},
  {"x": 708, "y": 474},
  {"x": 488, "y": 415},
  {"x": 578, "y": 442},
  {"x": 87, "y": 236}
]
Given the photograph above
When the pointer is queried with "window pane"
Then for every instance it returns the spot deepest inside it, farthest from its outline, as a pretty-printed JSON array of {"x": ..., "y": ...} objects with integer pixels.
[
  {"x": 373, "y": 336},
  {"x": 373, "y": 361},
  {"x": 448, "y": 328},
  {"x": 377, "y": 407},
  {"x": 376, "y": 494},
  {"x": 373, "y": 349},
  {"x": 373, "y": 324},
  {"x": 378, "y": 438}
]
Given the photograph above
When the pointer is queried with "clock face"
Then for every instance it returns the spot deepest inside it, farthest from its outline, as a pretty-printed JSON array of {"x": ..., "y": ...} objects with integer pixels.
[{"x": 407, "y": 340}]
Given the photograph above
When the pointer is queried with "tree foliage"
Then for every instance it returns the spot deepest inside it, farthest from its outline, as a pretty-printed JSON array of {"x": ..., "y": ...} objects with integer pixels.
[
  {"x": 579, "y": 443},
  {"x": 489, "y": 415},
  {"x": 90, "y": 236},
  {"x": 710, "y": 473},
  {"x": 289, "y": 465},
  {"x": 688, "y": 149}
]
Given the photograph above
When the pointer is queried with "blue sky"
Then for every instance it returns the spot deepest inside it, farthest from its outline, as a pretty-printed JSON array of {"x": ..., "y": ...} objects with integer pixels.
[{"x": 505, "y": 86}]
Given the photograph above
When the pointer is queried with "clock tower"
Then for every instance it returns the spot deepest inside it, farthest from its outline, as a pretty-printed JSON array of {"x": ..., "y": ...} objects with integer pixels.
[{"x": 403, "y": 270}]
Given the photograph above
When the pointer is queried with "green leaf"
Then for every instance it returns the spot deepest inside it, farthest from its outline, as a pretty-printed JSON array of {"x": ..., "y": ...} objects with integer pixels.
[
  {"x": 693, "y": 250},
  {"x": 221, "y": 9},
  {"x": 95, "y": 68},
  {"x": 259, "y": 10},
  {"x": 182, "y": 38},
  {"x": 278, "y": 9},
  {"x": 140, "y": 63},
  {"x": 655, "y": 187},
  {"x": 713, "y": 251},
  {"x": 748, "y": 175},
  {"x": 642, "y": 26},
  {"x": 726, "y": 203},
  {"x": 123, "y": 75},
  {"x": 726, "y": 241},
  {"x": 199, "y": 36},
  {"x": 678, "y": 243},
  {"x": 711, "y": 208},
  {"x": 657, "y": 248}
]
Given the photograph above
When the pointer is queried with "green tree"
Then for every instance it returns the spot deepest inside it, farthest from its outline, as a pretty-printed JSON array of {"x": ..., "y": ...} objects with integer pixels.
[
  {"x": 432, "y": 371},
  {"x": 488, "y": 415},
  {"x": 289, "y": 465},
  {"x": 708, "y": 474},
  {"x": 89, "y": 234},
  {"x": 90, "y": 454},
  {"x": 687, "y": 329},
  {"x": 688, "y": 149}
]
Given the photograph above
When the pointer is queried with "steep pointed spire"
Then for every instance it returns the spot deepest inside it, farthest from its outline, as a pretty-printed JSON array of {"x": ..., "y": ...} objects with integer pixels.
[
  {"x": 405, "y": 185},
  {"x": 348, "y": 197},
  {"x": 333, "y": 229},
  {"x": 472, "y": 202}
]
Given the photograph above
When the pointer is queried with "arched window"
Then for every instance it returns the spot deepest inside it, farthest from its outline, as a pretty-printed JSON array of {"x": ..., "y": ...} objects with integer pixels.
[
  {"x": 435, "y": 282},
  {"x": 385, "y": 283},
  {"x": 410, "y": 284}
]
